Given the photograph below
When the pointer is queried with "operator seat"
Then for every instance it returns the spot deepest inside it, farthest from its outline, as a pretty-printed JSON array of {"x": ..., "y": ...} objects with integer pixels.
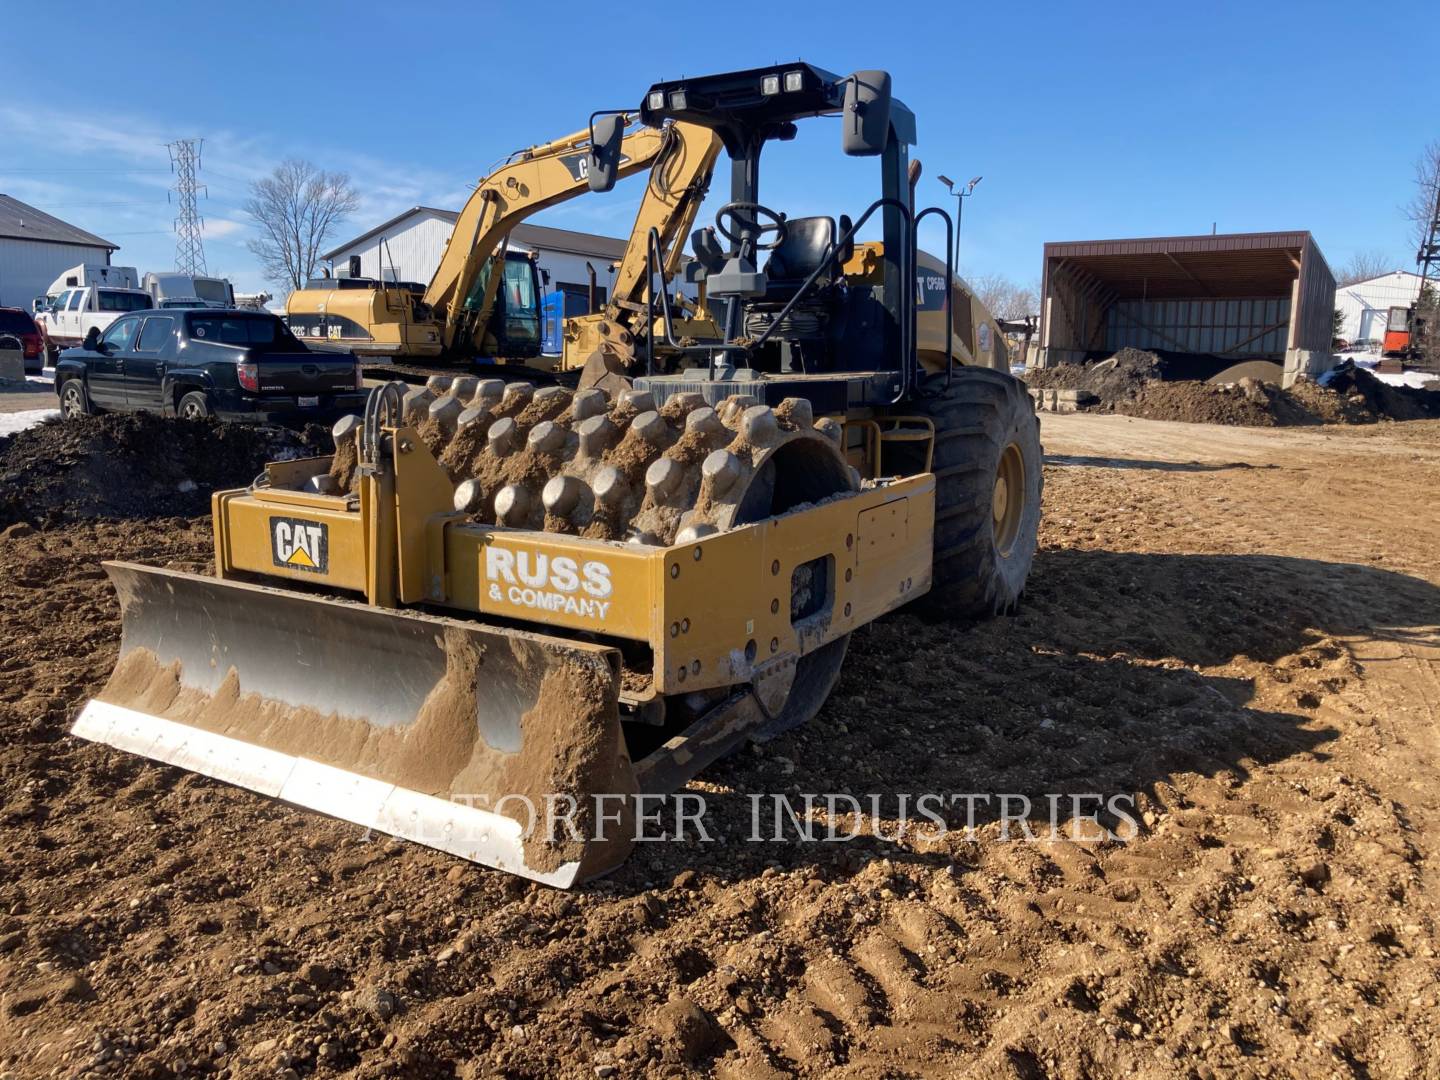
[
  {"x": 708, "y": 251},
  {"x": 807, "y": 241}
]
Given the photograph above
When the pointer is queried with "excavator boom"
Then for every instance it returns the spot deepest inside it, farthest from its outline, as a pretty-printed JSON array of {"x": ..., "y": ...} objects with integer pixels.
[
  {"x": 677, "y": 186},
  {"x": 539, "y": 178}
]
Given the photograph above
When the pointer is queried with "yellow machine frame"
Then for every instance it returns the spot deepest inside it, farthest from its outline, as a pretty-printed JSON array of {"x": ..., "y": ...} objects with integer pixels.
[{"x": 399, "y": 542}]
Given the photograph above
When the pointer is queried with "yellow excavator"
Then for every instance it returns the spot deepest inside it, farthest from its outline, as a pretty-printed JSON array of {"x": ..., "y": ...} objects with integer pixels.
[
  {"x": 500, "y": 615},
  {"x": 467, "y": 310}
]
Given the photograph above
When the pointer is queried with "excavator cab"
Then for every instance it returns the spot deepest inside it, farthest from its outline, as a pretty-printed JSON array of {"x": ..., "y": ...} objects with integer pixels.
[
  {"x": 512, "y": 328},
  {"x": 792, "y": 310}
]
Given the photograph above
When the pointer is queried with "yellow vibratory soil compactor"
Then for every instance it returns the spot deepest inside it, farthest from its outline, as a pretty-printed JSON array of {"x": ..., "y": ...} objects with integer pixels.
[{"x": 497, "y": 606}]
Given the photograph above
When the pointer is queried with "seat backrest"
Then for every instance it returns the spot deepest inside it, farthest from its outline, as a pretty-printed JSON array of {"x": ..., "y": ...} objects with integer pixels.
[
  {"x": 707, "y": 249},
  {"x": 807, "y": 240}
]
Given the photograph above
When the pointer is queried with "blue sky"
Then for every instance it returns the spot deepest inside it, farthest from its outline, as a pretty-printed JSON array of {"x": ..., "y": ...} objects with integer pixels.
[{"x": 1086, "y": 121}]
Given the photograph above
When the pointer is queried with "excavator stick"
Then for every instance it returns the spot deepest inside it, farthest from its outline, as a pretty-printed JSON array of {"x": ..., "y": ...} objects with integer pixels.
[{"x": 483, "y": 742}]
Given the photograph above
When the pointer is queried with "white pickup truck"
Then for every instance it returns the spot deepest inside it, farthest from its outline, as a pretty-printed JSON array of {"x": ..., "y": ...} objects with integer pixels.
[{"x": 85, "y": 297}]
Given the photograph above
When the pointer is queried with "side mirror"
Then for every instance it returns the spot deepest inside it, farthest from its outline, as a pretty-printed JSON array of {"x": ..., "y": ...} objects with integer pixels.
[
  {"x": 92, "y": 338},
  {"x": 602, "y": 164},
  {"x": 866, "y": 120}
]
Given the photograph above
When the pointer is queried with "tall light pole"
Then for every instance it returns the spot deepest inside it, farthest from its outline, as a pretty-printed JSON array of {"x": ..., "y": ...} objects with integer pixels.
[{"x": 961, "y": 195}]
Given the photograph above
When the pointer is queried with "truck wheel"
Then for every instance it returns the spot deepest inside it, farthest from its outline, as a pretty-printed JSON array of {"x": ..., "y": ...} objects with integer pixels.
[
  {"x": 74, "y": 401},
  {"x": 988, "y": 482},
  {"x": 193, "y": 406}
]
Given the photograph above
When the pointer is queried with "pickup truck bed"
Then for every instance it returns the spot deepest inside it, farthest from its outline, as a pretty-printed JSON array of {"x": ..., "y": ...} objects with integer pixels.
[{"x": 232, "y": 364}]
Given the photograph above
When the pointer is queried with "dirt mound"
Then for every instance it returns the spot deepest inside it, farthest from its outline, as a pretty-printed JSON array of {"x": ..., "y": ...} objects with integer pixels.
[
  {"x": 1135, "y": 383},
  {"x": 1247, "y": 404},
  {"x": 135, "y": 465},
  {"x": 1123, "y": 375},
  {"x": 1380, "y": 398}
]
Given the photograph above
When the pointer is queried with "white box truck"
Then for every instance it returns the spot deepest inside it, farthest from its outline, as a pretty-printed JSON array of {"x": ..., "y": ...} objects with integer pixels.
[{"x": 173, "y": 289}]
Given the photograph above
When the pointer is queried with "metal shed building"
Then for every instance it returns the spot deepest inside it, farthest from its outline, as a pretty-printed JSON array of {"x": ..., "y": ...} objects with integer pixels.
[
  {"x": 36, "y": 248},
  {"x": 1239, "y": 295}
]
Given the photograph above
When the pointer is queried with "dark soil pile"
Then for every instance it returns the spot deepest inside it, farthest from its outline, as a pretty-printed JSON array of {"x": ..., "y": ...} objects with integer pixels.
[
  {"x": 1380, "y": 398},
  {"x": 135, "y": 465},
  {"x": 1123, "y": 375},
  {"x": 1134, "y": 383}
]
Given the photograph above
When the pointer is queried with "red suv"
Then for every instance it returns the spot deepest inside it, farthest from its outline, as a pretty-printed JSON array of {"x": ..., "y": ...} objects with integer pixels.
[{"x": 16, "y": 322}]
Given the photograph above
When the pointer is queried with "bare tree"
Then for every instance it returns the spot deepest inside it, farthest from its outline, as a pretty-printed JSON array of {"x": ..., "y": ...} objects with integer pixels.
[
  {"x": 1362, "y": 266},
  {"x": 1420, "y": 209},
  {"x": 296, "y": 209},
  {"x": 1004, "y": 298}
]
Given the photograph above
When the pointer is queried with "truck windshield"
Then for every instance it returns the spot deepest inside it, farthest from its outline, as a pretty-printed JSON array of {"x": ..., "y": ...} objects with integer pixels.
[
  {"x": 212, "y": 289},
  {"x": 111, "y": 300}
]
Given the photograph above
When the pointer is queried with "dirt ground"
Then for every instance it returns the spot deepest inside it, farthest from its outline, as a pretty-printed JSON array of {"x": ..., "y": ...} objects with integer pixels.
[{"x": 1235, "y": 625}]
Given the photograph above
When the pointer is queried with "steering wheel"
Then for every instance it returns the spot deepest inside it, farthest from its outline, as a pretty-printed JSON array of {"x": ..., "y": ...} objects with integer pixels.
[{"x": 748, "y": 215}]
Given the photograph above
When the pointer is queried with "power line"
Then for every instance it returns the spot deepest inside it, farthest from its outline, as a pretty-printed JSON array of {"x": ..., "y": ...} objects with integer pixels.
[
  {"x": 8, "y": 170},
  {"x": 189, "y": 226}
]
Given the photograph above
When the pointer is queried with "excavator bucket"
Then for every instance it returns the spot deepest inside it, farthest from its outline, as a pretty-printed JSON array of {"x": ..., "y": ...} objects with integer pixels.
[{"x": 488, "y": 743}]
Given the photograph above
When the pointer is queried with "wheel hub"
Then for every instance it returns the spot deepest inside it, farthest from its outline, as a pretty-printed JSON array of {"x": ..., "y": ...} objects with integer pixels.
[{"x": 1008, "y": 498}]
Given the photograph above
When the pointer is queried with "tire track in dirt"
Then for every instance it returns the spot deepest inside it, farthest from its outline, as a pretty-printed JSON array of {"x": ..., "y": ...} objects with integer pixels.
[{"x": 1276, "y": 915}]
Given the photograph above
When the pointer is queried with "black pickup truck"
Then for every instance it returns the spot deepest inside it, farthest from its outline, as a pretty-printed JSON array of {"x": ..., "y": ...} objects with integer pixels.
[{"x": 237, "y": 365}]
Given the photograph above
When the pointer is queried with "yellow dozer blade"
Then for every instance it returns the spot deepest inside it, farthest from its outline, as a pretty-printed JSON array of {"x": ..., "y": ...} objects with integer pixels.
[{"x": 484, "y": 742}]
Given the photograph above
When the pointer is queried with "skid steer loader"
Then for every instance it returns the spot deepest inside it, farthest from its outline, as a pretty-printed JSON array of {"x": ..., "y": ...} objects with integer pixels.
[{"x": 499, "y": 614}]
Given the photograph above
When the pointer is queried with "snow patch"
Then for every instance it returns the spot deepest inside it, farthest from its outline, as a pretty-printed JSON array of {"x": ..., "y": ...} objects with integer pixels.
[
  {"x": 1413, "y": 379},
  {"x": 16, "y": 422}
]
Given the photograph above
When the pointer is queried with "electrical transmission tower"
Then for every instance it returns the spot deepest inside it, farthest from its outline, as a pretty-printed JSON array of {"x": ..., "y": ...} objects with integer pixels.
[{"x": 189, "y": 241}]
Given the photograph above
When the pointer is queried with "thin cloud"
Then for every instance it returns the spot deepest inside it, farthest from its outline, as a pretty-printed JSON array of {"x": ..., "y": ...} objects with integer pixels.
[{"x": 215, "y": 228}]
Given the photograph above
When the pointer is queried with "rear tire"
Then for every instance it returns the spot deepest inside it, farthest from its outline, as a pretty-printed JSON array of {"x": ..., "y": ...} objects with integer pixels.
[
  {"x": 74, "y": 401},
  {"x": 988, "y": 483},
  {"x": 193, "y": 406}
]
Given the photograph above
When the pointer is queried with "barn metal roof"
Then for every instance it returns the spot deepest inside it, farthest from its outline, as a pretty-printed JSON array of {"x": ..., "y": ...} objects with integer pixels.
[
  {"x": 1160, "y": 267},
  {"x": 21, "y": 221}
]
